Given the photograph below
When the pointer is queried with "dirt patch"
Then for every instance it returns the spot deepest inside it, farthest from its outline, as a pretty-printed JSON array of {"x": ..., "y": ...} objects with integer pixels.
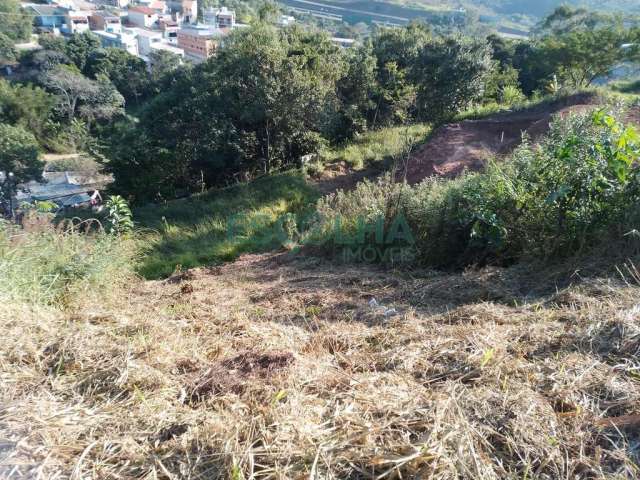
[
  {"x": 233, "y": 374},
  {"x": 342, "y": 176},
  {"x": 468, "y": 145}
]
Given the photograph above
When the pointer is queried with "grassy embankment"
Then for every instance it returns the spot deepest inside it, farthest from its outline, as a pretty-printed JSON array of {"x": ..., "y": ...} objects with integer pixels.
[
  {"x": 275, "y": 369},
  {"x": 268, "y": 369},
  {"x": 220, "y": 225}
]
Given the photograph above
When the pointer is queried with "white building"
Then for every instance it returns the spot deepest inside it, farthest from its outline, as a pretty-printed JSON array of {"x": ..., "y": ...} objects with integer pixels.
[
  {"x": 143, "y": 17},
  {"x": 123, "y": 40},
  {"x": 76, "y": 21},
  {"x": 146, "y": 38},
  {"x": 344, "y": 42}
]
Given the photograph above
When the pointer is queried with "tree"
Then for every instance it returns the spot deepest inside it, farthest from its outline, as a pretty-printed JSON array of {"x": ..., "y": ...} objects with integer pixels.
[
  {"x": 164, "y": 66},
  {"x": 533, "y": 66},
  {"x": 278, "y": 91},
  {"x": 80, "y": 46},
  {"x": 14, "y": 23},
  {"x": 266, "y": 99},
  {"x": 566, "y": 19},
  {"x": 356, "y": 91},
  {"x": 396, "y": 51},
  {"x": 450, "y": 74},
  {"x": 8, "y": 52},
  {"x": 41, "y": 61},
  {"x": 581, "y": 56},
  {"x": 503, "y": 50},
  {"x": 19, "y": 153},
  {"x": 268, "y": 11},
  {"x": 49, "y": 41},
  {"x": 79, "y": 96},
  {"x": 28, "y": 106},
  {"x": 127, "y": 72}
]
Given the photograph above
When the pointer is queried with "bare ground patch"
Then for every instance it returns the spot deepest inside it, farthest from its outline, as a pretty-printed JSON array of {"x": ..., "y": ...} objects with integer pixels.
[{"x": 469, "y": 144}]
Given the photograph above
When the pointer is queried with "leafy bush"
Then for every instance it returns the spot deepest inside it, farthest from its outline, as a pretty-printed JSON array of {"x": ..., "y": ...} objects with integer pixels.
[
  {"x": 119, "y": 216},
  {"x": 580, "y": 186}
]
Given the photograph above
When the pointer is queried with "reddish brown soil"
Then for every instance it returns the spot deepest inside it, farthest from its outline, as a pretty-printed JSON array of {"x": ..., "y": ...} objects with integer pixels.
[{"x": 468, "y": 145}]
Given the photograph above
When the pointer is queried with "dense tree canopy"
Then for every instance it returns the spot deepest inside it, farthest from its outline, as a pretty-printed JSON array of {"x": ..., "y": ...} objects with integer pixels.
[
  {"x": 80, "y": 96},
  {"x": 28, "y": 106},
  {"x": 14, "y": 23},
  {"x": 451, "y": 73},
  {"x": 19, "y": 153},
  {"x": 271, "y": 96},
  {"x": 127, "y": 72}
]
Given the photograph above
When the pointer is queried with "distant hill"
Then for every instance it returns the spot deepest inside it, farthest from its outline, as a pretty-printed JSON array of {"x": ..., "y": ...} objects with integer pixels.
[
  {"x": 542, "y": 7},
  {"x": 519, "y": 15}
]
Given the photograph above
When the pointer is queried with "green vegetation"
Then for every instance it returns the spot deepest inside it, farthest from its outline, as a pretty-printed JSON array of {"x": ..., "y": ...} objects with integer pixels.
[
  {"x": 377, "y": 146},
  {"x": 61, "y": 267},
  {"x": 288, "y": 366},
  {"x": 218, "y": 226},
  {"x": 580, "y": 188},
  {"x": 19, "y": 153},
  {"x": 280, "y": 95},
  {"x": 629, "y": 87},
  {"x": 15, "y": 25}
]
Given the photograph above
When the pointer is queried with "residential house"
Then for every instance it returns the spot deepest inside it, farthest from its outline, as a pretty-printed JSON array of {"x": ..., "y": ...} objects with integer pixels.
[
  {"x": 77, "y": 21},
  {"x": 146, "y": 38},
  {"x": 160, "y": 6},
  {"x": 199, "y": 42},
  {"x": 286, "y": 20},
  {"x": 169, "y": 29},
  {"x": 117, "y": 3},
  {"x": 184, "y": 11},
  {"x": 344, "y": 42},
  {"x": 105, "y": 21},
  {"x": 48, "y": 17},
  {"x": 165, "y": 47},
  {"x": 143, "y": 17},
  {"x": 220, "y": 17},
  {"x": 123, "y": 40},
  {"x": 66, "y": 189}
]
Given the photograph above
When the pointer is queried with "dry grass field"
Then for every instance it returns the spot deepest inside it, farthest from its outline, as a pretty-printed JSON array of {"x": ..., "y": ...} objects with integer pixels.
[{"x": 286, "y": 368}]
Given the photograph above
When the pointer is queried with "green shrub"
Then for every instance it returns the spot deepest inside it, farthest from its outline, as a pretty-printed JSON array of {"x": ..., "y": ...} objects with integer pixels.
[
  {"x": 579, "y": 186},
  {"x": 119, "y": 216}
]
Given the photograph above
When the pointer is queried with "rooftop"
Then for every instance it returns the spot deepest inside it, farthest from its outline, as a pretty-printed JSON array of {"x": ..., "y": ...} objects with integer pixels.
[
  {"x": 105, "y": 14},
  {"x": 143, "y": 32},
  {"x": 48, "y": 10},
  {"x": 202, "y": 30},
  {"x": 143, "y": 10}
]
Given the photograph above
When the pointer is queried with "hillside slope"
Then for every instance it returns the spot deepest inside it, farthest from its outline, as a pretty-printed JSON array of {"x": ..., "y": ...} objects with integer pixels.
[
  {"x": 272, "y": 367},
  {"x": 469, "y": 144}
]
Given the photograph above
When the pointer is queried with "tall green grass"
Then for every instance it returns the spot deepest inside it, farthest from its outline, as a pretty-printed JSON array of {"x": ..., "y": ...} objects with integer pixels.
[
  {"x": 378, "y": 145},
  {"x": 61, "y": 266},
  {"x": 220, "y": 225}
]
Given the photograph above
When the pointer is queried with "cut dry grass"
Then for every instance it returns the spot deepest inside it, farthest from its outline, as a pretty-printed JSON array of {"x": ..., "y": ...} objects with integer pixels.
[{"x": 273, "y": 367}]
